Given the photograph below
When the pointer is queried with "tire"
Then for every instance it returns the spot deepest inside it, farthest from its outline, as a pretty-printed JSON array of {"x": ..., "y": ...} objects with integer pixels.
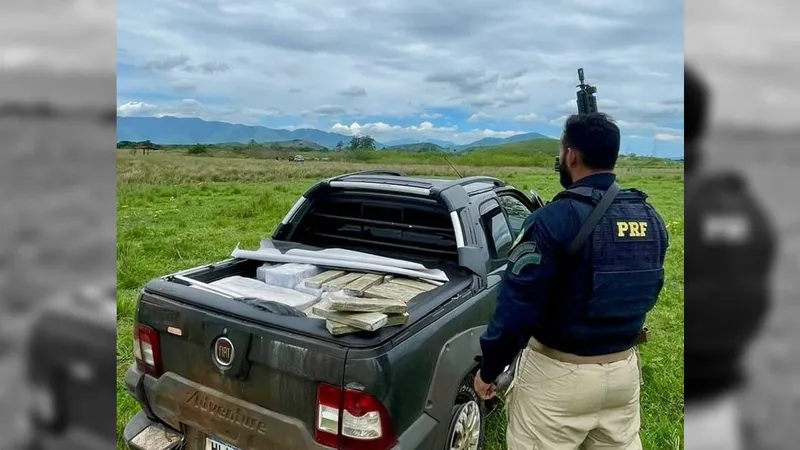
[{"x": 468, "y": 403}]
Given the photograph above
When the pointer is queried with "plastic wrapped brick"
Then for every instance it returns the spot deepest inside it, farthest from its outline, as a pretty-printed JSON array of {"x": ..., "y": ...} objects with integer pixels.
[
  {"x": 289, "y": 275},
  {"x": 250, "y": 288},
  {"x": 260, "y": 271},
  {"x": 301, "y": 287}
]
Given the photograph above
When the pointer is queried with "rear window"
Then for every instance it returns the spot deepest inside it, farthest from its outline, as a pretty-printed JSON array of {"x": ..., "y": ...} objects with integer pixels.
[
  {"x": 392, "y": 223},
  {"x": 495, "y": 226}
]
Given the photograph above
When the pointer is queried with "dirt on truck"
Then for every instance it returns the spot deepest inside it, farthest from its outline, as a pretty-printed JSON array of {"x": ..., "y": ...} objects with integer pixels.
[{"x": 225, "y": 370}]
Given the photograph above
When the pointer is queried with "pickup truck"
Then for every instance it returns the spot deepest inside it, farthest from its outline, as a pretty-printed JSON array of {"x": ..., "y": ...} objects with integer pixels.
[{"x": 292, "y": 385}]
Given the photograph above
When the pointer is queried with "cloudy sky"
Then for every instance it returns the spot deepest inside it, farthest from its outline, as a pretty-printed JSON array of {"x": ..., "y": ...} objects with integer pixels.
[
  {"x": 735, "y": 41},
  {"x": 457, "y": 70}
]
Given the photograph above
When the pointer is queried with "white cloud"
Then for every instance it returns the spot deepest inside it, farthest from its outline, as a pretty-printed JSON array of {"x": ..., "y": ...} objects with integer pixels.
[
  {"x": 668, "y": 137},
  {"x": 648, "y": 126},
  {"x": 132, "y": 109},
  {"x": 193, "y": 108},
  {"x": 354, "y": 91},
  {"x": 529, "y": 118},
  {"x": 380, "y": 128},
  {"x": 425, "y": 130},
  {"x": 298, "y": 127},
  {"x": 491, "y": 133},
  {"x": 480, "y": 116},
  {"x": 431, "y": 116},
  {"x": 663, "y": 137}
]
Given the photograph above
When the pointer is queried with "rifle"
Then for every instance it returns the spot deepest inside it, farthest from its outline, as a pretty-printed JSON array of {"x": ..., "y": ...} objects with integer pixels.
[{"x": 587, "y": 102}]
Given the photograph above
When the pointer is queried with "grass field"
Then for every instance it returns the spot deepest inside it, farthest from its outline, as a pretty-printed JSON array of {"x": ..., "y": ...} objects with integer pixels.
[{"x": 177, "y": 211}]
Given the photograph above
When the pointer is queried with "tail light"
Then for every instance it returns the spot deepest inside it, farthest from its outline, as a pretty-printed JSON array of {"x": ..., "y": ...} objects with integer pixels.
[
  {"x": 147, "y": 350},
  {"x": 352, "y": 420}
]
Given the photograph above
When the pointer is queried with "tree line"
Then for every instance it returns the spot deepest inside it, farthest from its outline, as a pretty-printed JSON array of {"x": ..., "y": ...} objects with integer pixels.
[{"x": 356, "y": 143}]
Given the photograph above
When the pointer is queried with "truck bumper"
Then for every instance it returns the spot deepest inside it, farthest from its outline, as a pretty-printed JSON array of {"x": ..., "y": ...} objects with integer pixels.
[{"x": 142, "y": 433}]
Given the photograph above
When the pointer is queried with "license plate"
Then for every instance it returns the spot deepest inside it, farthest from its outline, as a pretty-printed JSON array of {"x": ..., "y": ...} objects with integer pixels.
[{"x": 216, "y": 444}]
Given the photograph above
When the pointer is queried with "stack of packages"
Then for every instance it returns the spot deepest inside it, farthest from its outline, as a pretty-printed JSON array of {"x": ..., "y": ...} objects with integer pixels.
[
  {"x": 276, "y": 283},
  {"x": 353, "y": 302},
  {"x": 349, "y": 302}
]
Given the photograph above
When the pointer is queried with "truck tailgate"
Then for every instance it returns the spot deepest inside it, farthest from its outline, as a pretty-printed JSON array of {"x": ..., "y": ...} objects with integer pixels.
[{"x": 276, "y": 371}]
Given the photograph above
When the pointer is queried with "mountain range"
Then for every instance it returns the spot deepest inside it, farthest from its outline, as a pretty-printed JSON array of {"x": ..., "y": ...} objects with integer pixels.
[{"x": 191, "y": 130}]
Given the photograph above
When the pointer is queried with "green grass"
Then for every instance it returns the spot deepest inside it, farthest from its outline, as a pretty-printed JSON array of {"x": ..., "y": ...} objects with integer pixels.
[{"x": 177, "y": 211}]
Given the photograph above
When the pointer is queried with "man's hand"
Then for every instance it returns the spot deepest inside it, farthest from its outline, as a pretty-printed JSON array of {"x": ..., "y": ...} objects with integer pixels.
[{"x": 484, "y": 390}]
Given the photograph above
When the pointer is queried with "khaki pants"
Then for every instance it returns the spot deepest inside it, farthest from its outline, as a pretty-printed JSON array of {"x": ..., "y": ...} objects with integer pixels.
[{"x": 554, "y": 405}]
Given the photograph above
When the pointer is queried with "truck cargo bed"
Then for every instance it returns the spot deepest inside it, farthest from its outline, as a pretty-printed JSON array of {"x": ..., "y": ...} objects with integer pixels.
[{"x": 177, "y": 290}]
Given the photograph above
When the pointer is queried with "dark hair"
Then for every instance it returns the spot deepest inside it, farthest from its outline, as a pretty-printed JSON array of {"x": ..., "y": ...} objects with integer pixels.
[
  {"x": 595, "y": 136},
  {"x": 695, "y": 95}
]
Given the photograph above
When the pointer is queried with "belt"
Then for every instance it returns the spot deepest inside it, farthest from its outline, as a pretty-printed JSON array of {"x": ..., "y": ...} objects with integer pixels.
[{"x": 570, "y": 358}]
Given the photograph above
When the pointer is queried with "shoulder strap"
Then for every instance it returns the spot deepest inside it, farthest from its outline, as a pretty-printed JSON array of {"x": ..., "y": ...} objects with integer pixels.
[
  {"x": 593, "y": 219},
  {"x": 582, "y": 193}
]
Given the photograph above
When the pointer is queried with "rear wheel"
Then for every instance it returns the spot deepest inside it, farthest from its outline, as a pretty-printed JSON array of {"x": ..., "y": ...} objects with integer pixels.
[{"x": 468, "y": 420}]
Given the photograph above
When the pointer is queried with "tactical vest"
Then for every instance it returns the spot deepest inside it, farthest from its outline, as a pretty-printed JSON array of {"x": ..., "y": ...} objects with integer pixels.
[
  {"x": 627, "y": 249},
  {"x": 728, "y": 271},
  {"x": 727, "y": 279}
]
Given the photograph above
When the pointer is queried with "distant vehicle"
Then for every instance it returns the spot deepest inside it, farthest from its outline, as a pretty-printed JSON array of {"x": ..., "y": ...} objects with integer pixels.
[{"x": 299, "y": 158}]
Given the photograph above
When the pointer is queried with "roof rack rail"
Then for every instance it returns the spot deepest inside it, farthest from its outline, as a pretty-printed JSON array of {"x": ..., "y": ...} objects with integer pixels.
[
  {"x": 478, "y": 179},
  {"x": 393, "y": 173}
]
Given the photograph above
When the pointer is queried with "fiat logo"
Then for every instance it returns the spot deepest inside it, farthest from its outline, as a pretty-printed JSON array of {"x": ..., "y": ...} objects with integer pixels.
[{"x": 224, "y": 352}]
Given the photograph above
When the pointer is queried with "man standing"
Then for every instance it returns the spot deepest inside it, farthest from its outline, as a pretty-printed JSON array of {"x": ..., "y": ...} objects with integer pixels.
[
  {"x": 584, "y": 272},
  {"x": 730, "y": 258}
]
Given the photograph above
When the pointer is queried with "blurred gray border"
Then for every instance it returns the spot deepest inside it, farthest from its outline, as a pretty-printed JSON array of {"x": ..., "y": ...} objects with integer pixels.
[
  {"x": 57, "y": 194},
  {"x": 745, "y": 51}
]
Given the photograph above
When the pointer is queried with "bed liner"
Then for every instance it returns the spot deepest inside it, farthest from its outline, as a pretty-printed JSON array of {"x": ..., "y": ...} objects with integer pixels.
[{"x": 177, "y": 291}]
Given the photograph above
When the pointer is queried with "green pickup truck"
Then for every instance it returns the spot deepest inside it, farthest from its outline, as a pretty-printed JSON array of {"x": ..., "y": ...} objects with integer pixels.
[{"x": 214, "y": 373}]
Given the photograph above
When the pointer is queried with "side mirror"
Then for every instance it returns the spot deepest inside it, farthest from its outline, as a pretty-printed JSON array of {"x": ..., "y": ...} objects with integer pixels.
[
  {"x": 536, "y": 199},
  {"x": 557, "y": 165}
]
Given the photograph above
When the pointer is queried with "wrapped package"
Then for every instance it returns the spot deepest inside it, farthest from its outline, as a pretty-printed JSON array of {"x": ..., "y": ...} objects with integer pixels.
[
  {"x": 261, "y": 269},
  {"x": 289, "y": 275},
  {"x": 338, "y": 329},
  {"x": 340, "y": 283},
  {"x": 393, "y": 290},
  {"x": 317, "y": 281},
  {"x": 357, "y": 287},
  {"x": 302, "y": 287},
  {"x": 342, "y": 302},
  {"x": 363, "y": 321},
  {"x": 248, "y": 287}
]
